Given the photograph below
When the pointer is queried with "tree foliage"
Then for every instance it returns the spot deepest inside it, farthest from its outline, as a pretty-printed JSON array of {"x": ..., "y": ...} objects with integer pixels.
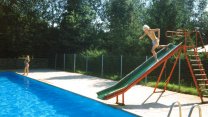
[
  {"x": 44, "y": 27},
  {"x": 76, "y": 26}
]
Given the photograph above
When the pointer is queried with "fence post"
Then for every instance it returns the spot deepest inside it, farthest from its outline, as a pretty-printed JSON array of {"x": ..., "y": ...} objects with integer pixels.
[
  {"x": 64, "y": 62},
  {"x": 121, "y": 70},
  {"x": 102, "y": 66},
  {"x": 146, "y": 76},
  {"x": 55, "y": 60},
  {"x": 74, "y": 62},
  {"x": 86, "y": 63}
]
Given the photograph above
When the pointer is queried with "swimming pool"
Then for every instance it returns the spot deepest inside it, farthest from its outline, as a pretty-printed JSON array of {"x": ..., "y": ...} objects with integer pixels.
[{"x": 24, "y": 97}]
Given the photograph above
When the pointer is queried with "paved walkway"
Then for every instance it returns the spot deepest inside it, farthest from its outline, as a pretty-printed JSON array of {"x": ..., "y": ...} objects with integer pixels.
[{"x": 139, "y": 99}]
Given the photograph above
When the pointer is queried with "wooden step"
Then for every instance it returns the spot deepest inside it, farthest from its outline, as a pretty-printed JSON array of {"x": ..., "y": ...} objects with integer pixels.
[
  {"x": 194, "y": 60},
  {"x": 200, "y": 74},
  {"x": 196, "y": 64},
  {"x": 202, "y": 79},
  {"x": 190, "y": 46},
  {"x": 193, "y": 55},
  {"x": 203, "y": 90},
  {"x": 203, "y": 84},
  {"x": 205, "y": 95},
  {"x": 190, "y": 51},
  {"x": 198, "y": 69}
]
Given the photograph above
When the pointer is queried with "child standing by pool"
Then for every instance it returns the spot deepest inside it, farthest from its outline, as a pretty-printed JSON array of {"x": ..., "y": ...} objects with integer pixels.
[
  {"x": 155, "y": 40},
  {"x": 26, "y": 62}
]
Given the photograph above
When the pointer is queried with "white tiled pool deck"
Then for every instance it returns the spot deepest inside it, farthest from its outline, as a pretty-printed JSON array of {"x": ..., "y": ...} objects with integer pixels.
[{"x": 139, "y": 99}]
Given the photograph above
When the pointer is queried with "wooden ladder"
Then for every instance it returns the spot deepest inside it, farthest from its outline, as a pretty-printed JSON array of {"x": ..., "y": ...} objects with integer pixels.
[{"x": 198, "y": 73}]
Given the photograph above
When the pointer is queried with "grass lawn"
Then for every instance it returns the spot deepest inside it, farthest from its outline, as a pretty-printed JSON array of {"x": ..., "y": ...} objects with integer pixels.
[
  {"x": 175, "y": 87},
  {"x": 170, "y": 87}
]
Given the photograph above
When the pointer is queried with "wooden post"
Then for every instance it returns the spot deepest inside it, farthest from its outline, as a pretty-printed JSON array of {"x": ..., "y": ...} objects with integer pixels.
[
  {"x": 123, "y": 100},
  {"x": 117, "y": 99},
  {"x": 158, "y": 80},
  {"x": 167, "y": 81}
]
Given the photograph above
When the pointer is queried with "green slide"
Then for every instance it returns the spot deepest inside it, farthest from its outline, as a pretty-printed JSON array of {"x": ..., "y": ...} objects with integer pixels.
[{"x": 139, "y": 73}]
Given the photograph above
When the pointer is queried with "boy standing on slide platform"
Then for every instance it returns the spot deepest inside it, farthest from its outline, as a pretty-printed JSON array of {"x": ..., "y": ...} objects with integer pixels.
[{"x": 155, "y": 40}]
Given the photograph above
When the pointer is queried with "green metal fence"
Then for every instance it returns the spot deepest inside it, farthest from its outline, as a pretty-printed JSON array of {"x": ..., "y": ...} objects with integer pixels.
[
  {"x": 119, "y": 66},
  {"x": 110, "y": 67},
  {"x": 18, "y": 63}
]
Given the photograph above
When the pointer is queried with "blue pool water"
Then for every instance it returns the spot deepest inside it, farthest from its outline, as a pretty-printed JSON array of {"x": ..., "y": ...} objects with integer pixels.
[{"x": 24, "y": 97}]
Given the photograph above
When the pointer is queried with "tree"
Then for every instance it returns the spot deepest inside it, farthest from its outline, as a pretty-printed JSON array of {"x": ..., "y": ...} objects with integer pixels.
[
  {"x": 20, "y": 26},
  {"x": 76, "y": 26},
  {"x": 51, "y": 11},
  {"x": 124, "y": 26},
  {"x": 43, "y": 27},
  {"x": 174, "y": 14}
]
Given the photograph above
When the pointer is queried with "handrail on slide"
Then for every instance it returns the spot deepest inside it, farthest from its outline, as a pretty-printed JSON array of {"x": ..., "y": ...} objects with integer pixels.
[
  {"x": 171, "y": 108},
  {"x": 180, "y": 111},
  {"x": 192, "y": 108}
]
